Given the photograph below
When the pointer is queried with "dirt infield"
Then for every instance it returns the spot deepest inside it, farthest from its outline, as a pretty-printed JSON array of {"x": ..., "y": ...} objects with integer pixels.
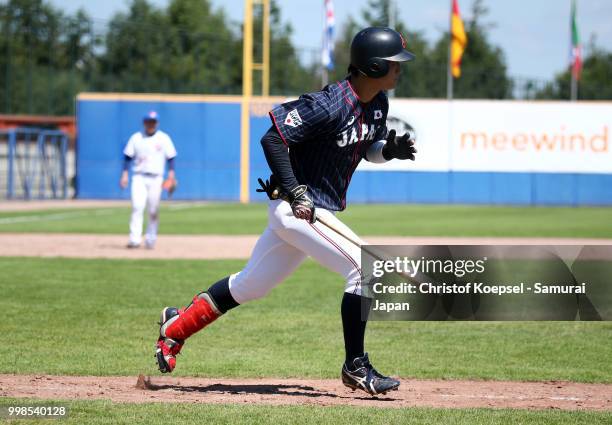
[
  {"x": 412, "y": 393},
  {"x": 271, "y": 391},
  {"x": 210, "y": 246}
]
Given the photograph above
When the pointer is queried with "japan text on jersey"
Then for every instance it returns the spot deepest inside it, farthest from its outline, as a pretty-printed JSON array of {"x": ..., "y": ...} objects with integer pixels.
[{"x": 328, "y": 133}]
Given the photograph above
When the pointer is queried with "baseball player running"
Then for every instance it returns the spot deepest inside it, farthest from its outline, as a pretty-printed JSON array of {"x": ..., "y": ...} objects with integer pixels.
[
  {"x": 150, "y": 149},
  {"x": 313, "y": 147}
]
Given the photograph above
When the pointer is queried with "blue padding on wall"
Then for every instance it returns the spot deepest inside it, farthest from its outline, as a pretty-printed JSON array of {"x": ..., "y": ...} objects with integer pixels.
[
  {"x": 258, "y": 165},
  {"x": 471, "y": 188},
  {"x": 430, "y": 187},
  {"x": 481, "y": 188},
  {"x": 205, "y": 135},
  {"x": 399, "y": 186},
  {"x": 207, "y": 138},
  {"x": 490, "y": 188},
  {"x": 396, "y": 191},
  {"x": 511, "y": 188},
  {"x": 594, "y": 189},
  {"x": 554, "y": 189}
]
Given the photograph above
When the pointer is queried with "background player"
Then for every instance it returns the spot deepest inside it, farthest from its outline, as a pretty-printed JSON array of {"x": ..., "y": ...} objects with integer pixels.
[
  {"x": 313, "y": 148},
  {"x": 150, "y": 149}
]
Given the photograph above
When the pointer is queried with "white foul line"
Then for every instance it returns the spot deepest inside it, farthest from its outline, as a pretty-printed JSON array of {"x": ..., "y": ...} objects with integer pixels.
[
  {"x": 56, "y": 216},
  {"x": 83, "y": 213}
]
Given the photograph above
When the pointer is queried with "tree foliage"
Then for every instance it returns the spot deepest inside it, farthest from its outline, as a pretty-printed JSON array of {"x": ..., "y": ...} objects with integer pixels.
[
  {"x": 47, "y": 56},
  {"x": 594, "y": 83},
  {"x": 483, "y": 66},
  {"x": 187, "y": 47},
  {"x": 288, "y": 76}
]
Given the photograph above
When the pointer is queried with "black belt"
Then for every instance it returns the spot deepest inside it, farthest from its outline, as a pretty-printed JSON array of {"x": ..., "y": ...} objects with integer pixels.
[{"x": 149, "y": 174}]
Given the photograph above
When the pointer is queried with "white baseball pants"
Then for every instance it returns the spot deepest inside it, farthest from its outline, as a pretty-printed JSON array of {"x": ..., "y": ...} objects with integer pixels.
[
  {"x": 285, "y": 243},
  {"x": 146, "y": 192}
]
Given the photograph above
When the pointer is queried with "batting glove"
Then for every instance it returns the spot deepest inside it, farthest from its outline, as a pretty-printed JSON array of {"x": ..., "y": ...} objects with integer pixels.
[
  {"x": 269, "y": 187},
  {"x": 301, "y": 204},
  {"x": 399, "y": 147}
]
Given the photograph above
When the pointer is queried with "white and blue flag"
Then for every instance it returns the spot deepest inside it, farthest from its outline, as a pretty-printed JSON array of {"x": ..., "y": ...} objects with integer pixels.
[{"x": 328, "y": 36}]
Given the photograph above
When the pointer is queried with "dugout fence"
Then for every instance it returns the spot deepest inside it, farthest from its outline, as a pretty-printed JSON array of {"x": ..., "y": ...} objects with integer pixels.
[{"x": 34, "y": 163}]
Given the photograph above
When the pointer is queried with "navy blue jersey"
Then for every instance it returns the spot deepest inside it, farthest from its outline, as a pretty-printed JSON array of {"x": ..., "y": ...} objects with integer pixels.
[{"x": 328, "y": 133}]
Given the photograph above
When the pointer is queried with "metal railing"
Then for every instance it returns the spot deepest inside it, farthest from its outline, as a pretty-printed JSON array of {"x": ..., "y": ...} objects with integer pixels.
[{"x": 35, "y": 161}]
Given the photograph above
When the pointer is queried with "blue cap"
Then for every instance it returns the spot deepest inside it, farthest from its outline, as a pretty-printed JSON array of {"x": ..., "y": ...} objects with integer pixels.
[{"x": 151, "y": 116}]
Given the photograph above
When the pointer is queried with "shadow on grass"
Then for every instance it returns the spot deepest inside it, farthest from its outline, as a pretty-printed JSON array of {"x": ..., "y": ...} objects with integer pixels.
[{"x": 262, "y": 389}]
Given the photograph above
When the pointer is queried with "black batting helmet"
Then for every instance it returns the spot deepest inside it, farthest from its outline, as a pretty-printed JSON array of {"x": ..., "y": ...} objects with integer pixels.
[{"x": 373, "y": 47}]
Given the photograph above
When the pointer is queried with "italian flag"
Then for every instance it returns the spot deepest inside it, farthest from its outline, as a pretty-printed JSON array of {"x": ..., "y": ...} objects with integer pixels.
[
  {"x": 576, "y": 53},
  {"x": 458, "y": 41}
]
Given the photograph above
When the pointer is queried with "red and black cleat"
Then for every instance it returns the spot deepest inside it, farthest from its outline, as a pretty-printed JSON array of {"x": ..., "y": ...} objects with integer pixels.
[
  {"x": 166, "y": 352},
  {"x": 176, "y": 326},
  {"x": 167, "y": 348}
]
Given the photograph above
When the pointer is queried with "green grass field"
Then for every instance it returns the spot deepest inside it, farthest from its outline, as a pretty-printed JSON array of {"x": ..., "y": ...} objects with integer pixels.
[
  {"x": 102, "y": 412},
  {"x": 98, "y": 317},
  {"x": 103, "y": 313},
  {"x": 396, "y": 220}
]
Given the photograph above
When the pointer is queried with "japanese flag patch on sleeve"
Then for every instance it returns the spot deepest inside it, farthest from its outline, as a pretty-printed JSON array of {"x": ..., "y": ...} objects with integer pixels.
[{"x": 293, "y": 119}]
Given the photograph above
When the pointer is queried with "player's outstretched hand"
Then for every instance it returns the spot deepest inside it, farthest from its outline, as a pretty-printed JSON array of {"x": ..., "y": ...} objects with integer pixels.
[
  {"x": 401, "y": 147},
  {"x": 269, "y": 187},
  {"x": 301, "y": 204}
]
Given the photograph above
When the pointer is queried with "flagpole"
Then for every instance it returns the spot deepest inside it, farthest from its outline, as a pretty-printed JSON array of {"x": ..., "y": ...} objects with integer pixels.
[
  {"x": 574, "y": 87},
  {"x": 574, "y": 81},
  {"x": 327, "y": 51},
  {"x": 324, "y": 74},
  {"x": 391, "y": 14},
  {"x": 449, "y": 74}
]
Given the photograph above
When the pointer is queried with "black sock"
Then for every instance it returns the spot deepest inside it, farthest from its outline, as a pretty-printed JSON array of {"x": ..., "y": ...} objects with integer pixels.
[
  {"x": 353, "y": 326},
  {"x": 221, "y": 295}
]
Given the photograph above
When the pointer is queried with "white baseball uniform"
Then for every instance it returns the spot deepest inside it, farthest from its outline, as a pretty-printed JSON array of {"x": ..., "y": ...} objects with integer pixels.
[
  {"x": 286, "y": 242},
  {"x": 327, "y": 133},
  {"x": 149, "y": 154}
]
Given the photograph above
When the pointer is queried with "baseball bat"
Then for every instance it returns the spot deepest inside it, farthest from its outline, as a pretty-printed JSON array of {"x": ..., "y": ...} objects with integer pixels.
[
  {"x": 332, "y": 226},
  {"x": 358, "y": 242},
  {"x": 364, "y": 246}
]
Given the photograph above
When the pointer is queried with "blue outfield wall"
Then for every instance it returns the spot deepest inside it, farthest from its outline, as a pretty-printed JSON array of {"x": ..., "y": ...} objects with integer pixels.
[
  {"x": 258, "y": 167},
  {"x": 207, "y": 138},
  {"x": 481, "y": 188}
]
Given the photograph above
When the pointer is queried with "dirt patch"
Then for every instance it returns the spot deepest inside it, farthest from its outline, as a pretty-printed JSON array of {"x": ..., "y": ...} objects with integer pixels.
[
  {"x": 115, "y": 246},
  {"x": 412, "y": 392},
  {"x": 211, "y": 246}
]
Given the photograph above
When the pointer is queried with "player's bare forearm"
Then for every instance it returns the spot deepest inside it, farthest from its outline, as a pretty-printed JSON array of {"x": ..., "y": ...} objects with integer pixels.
[{"x": 123, "y": 180}]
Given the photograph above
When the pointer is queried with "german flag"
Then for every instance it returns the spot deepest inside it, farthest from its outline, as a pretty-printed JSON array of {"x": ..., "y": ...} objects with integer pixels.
[{"x": 458, "y": 41}]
